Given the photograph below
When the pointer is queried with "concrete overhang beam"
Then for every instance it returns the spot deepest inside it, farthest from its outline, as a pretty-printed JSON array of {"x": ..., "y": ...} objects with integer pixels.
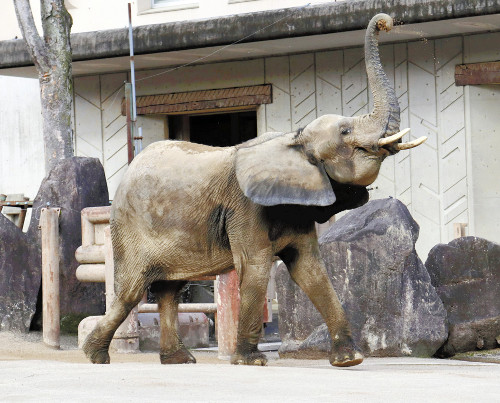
[{"x": 284, "y": 31}]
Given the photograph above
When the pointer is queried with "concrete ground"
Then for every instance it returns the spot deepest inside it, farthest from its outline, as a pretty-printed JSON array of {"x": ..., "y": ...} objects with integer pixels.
[{"x": 31, "y": 372}]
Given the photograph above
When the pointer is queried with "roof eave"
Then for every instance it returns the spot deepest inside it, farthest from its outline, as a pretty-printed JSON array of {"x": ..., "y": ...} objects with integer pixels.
[{"x": 253, "y": 27}]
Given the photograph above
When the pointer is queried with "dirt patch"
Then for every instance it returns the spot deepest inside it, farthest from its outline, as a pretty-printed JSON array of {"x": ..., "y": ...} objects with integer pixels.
[{"x": 29, "y": 346}]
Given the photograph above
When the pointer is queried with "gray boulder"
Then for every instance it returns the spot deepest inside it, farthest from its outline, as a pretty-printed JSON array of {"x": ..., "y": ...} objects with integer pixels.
[
  {"x": 19, "y": 285},
  {"x": 73, "y": 184},
  {"x": 385, "y": 289},
  {"x": 466, "y": 274}
]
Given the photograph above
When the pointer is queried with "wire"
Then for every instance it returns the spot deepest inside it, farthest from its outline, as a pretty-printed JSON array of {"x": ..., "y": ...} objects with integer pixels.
[{"x": 224, "y": 47}]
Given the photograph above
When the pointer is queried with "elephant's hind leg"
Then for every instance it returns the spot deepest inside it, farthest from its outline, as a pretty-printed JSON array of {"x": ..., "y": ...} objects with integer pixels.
[
  {"x": 172, "y": 350},
  {"x": 97, "y": 343}
]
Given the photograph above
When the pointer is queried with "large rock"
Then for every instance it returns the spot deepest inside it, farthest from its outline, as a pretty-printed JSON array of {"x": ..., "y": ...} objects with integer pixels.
[
  {"x": 19, "y": 286},
  {"x": 73, "y": 184},
  {"x": 466, "y": 274},
  {"x": 385, "y": 289}
]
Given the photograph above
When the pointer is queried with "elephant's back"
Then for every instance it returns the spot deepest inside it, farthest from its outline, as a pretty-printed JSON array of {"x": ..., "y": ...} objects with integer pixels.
[{"x": 173, "y": 175}]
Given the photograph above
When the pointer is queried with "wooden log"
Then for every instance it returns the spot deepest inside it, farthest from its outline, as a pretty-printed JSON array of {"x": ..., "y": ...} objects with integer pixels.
[
  {"x": 91, "y": 273},
  {"x": 90, "y": 254},
  {"x": 49, "y": 223},
  {"x": 228, "y": 307},
  {"x": 97, "y": 215}
]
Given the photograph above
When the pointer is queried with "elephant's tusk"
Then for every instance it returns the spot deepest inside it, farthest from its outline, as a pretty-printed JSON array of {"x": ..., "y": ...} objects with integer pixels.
[
  {"x": 411, "y": 144},
  {"x": 391, "y": 139}
]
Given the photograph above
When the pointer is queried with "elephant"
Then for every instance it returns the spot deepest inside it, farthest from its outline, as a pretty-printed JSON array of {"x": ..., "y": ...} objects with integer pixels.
[{"x": 185, "y": 210}]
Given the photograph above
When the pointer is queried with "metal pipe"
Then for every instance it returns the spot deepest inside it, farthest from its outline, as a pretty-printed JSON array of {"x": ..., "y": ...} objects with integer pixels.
[
  {"x": 132, "y": 67},
  {"x": 137, "y": 138},
  {"x": 49, "y": 223},
  {"x": 183, "y": 308}
]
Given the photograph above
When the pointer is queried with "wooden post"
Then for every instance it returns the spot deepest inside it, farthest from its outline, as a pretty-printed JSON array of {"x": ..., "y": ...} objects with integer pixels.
[
  {"x": 49, "y": 223},
  {"x": 228, "y": 307},
  {"x": 459, "y": 229}
]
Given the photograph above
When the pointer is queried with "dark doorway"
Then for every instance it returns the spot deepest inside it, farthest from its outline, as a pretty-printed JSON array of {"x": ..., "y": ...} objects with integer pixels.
[{"x": 220, "y": 130}]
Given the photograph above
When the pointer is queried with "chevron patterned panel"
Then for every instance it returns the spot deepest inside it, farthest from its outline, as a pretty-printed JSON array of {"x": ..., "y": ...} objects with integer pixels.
[
  {"x": 354, "y": 83},
  {"x": 329, "y": 66},
  {"x": 278, "y": 113},
  {"x": 302, "y": 90},
  {"x": 114, "y": 127},
  {"x": 426, "y": 206},
  {"x": 402, "y": 159},
  {"x": 87, "y": 117},
  {"x": 452, "y": 147}
]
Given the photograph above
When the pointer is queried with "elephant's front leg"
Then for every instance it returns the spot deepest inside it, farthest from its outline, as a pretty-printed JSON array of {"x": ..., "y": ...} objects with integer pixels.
[
  {"x": 254, "y": 276},
  {"x": 308, "y": 270}
]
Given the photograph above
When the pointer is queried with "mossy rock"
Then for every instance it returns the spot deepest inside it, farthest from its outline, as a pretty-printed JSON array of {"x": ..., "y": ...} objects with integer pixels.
[{"x": 70, "y": 322}]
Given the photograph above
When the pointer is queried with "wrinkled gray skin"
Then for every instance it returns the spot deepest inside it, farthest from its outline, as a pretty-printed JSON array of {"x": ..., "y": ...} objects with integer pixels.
[{"x": 186, "y": 210}]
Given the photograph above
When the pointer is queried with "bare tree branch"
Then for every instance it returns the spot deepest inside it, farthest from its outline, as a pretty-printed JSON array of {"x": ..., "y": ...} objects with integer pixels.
[{"x": 36, "y": 45}]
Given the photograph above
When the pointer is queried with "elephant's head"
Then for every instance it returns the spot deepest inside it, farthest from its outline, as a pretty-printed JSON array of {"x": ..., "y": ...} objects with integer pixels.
[{"x": 297, "y": 168}]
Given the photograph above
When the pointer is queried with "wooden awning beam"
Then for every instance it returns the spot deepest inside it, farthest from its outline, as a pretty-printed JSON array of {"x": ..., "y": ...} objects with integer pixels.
[
  {"x": 477, "y": 73},
  {"x": 204, "y": 101}
]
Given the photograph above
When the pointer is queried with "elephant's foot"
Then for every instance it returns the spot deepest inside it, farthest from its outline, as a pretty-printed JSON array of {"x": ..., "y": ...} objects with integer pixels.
[
  {"x": 345, "y": 355},
  {"x": 255, "y": 358},
  {"x": 96, "y": 354},
  {"x": 180, "y": 356},
  {"x": 248, "y": 354}
]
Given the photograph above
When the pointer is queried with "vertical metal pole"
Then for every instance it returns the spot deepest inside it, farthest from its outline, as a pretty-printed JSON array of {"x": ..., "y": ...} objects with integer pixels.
[
  {"x": 50, "y": 276},
  {"x": 130, "y": 125},
  {"x": 137, "y": 135},
  {"x": 132, "y": 67},
  {"x": 228, "y": 308}
]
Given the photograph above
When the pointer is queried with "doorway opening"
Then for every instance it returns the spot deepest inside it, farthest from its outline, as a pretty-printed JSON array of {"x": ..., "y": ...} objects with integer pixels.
[{"x": 219, "y": 130}]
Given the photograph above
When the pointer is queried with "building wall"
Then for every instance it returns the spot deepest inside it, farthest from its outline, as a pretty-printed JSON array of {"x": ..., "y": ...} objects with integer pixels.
[
  {"x": 449, "y": 179},
  {"x": 483, "y": 126},
  {"x": 21, "y": 143}
]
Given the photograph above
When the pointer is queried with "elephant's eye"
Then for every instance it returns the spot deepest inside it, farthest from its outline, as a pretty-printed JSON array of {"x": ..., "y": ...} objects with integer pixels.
[{"x": 345, "y": 130}]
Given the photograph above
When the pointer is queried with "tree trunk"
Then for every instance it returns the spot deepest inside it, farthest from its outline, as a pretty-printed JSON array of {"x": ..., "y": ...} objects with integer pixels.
[{"x": 52, "y": 58}]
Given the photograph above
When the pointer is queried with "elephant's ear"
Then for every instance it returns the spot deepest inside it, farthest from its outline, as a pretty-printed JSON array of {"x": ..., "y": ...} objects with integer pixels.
[{"x": 275, "y": 172}]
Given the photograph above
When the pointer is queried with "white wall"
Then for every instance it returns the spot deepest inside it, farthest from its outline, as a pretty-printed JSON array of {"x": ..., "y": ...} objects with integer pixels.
[
  {"x": 94, "y": 15},
  {"x": 21, "y": 143},
  {"x": 483, "y": 103}
]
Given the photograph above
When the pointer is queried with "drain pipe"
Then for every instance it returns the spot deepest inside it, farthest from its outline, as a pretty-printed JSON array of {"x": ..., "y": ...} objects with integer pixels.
[{"x": 137, "y": 134}]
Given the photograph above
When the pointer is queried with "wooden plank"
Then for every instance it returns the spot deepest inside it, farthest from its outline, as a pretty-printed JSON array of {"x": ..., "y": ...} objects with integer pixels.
[
  {"x": 459, "y": 229},
  {"x": 477, "y": 73},
  {"x": 177, "y": 103}
]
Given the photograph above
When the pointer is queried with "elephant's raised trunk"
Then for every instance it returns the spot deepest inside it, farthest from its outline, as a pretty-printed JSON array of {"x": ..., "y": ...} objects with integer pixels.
[{"x": 386, "y": 106}]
